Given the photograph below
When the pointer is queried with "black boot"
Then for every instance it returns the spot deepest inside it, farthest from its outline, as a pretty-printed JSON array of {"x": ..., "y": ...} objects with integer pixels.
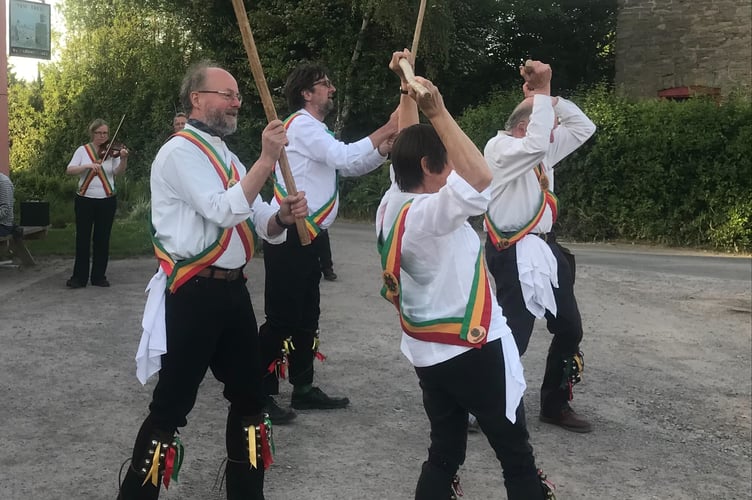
[
  {"x": 139, "y": 480},
  {"x": 244, "y": 481}
]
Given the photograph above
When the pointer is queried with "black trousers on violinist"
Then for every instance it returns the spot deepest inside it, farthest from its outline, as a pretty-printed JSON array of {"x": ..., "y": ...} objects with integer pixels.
[
  {"x": 93, "y": 215},
  {"x": 566, "y": 326}
]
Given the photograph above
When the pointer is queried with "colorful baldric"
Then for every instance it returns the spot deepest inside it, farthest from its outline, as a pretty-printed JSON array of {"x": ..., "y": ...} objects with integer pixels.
[
  {"x": 313, "y": 221},
  {"x": 180, "y": 272},
  {"x": 503, "y": 240},
  {"x": 109, "y": 190},
  {"x": 471, "y": 330}
]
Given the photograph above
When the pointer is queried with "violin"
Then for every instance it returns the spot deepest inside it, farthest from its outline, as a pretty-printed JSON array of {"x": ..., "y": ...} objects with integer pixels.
[{"x": 110, "y": 150}]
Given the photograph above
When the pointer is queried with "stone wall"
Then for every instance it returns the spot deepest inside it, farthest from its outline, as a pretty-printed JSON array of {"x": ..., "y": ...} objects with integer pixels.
[{"x": 662, "y": 44}]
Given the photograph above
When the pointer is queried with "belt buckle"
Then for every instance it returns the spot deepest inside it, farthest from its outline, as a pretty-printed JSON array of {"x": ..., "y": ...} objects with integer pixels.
[{"x": 232, "y": 274}]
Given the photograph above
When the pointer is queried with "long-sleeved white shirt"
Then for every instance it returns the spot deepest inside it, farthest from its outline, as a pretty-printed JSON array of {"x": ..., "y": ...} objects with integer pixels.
[
  {"x": 439, "y": 251},
  {"x": 96, "y": 188},
  {"x": 515, "y": 190},
  {"x": 315, "y": 157},
  {"x": 190, "y": 206}
]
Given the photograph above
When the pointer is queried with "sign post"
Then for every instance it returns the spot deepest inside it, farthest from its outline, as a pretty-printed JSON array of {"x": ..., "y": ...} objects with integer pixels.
[{"x": 29, "y": 29}]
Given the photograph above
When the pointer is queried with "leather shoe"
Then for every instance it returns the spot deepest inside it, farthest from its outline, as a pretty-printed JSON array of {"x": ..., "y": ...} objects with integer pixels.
[
  {"x": 568, "y": 419},
  {"x": 277, "y": 414},
  {"x": 316, "y": 399},
  {"x": 74, "y": 283},
  {"x": 329, "y": 274},
  {"x": 103, "y": 282}
]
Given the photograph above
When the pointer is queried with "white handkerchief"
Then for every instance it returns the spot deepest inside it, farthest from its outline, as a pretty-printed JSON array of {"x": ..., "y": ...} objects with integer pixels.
[
  {"x": 513, "y": 375},
  {"x": 537, "y": 269},
  {"x": 154, "y": 337}
]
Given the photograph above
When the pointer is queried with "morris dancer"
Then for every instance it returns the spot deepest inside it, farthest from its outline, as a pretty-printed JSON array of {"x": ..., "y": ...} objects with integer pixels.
[
  {"x": 454, "y": 332},
  {"x": 205, "y": 210},
  {"x": 290, "y": 335},
  {"x": 533, "y": 273}
]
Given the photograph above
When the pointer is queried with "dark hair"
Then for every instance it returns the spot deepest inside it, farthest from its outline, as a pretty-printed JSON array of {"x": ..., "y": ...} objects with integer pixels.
[
  {"x": 302, "y": 78},
  {"x": 412, "y": 144},
  {"x": 194, "y": 80}
]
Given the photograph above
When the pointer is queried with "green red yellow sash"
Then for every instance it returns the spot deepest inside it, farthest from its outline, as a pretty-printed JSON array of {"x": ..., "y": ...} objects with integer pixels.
[
  {"x": 470, "y": 330},
  {"x": 180, "y": 272},
  {"x": 503, "y": 240},
  {"x": 313, "y": 221},
  {"x": 109, "y": 190}
]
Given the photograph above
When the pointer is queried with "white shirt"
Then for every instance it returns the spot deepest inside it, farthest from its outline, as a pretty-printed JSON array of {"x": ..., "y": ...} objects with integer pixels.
[
  {"x": 439, "y": 251},
  {"x": 96, "y": 188},
  {"x": 315, "y": 157},
  {"x": 515, "y": 190},
  {"x": 190, "y": 206}
]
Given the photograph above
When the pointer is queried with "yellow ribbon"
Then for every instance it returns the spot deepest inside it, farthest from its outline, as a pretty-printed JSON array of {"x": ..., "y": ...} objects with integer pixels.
[
  {"x": 154, "y": 471},
  {"x": 287, "y": 345},
  {"x": 252, "y": 446}
]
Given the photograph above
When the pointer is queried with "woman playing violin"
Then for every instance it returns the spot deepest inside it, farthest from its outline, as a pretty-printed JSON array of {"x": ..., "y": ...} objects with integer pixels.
[{"x": 96, "y": 163}]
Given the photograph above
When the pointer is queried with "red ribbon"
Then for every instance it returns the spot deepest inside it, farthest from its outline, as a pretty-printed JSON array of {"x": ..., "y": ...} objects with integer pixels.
[
  {"x": 320, "y": 356},
  {"x": 266, "y": 451},
  {"x": 169, "y": 464}
]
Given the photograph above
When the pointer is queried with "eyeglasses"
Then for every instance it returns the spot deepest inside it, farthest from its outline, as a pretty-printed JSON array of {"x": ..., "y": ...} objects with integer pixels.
[
  {"x": 228, "y": 95},
  {"x": 325, "y": 82},
  {"x": 101, "y": 133}
]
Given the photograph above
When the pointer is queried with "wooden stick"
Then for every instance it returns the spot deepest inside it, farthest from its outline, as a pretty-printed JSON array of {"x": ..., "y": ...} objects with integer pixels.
[
  {"x": 418, "y": 26},
  {"x": 266, "y": 101},
  {"x": 410, "y": 77}
]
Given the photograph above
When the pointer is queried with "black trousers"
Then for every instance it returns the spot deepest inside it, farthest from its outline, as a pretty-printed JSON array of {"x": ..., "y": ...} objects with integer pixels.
[
  {"x": 210, "y": 325},
  {"x": 97, "y": 215},
  {"x": 323, "y": 247},
  {"x": 291, "y": 304},
  {"x": 566, "y": 327},
  {"x": 473, "y": 382}
]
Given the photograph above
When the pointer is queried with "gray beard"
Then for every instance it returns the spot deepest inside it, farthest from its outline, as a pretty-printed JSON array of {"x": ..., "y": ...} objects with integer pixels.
[{"x": 220, "y": 122}]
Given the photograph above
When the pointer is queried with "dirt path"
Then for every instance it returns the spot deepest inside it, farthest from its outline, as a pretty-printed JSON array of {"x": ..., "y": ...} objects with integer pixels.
[{"x": 667, "y": 385}]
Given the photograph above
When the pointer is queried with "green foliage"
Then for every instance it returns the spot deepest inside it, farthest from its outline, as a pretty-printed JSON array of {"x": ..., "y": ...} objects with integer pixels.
[{"x": 661, "y": 171}]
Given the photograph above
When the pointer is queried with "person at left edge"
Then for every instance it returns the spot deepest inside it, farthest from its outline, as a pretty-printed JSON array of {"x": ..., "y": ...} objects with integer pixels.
[
  {"x": 206, "y": 210},
  {"x": 94, "y": 205}
]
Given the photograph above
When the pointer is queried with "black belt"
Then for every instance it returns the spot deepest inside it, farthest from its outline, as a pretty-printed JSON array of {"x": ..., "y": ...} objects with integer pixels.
[
  {"x": 546, "y": 236},
  {"x": 220, "y": 273}
]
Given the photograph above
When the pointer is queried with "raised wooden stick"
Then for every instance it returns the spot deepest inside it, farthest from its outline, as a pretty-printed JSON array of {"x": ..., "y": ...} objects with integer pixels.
[
  {"x": 410, "y": 77},
  {"x": 418, "y": 27},
  {"x": 266, "y": 101}
]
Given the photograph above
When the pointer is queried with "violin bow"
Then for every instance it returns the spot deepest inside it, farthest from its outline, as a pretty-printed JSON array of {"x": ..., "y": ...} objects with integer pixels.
[
  {"x": 266, "y": 101},
  {"x": 112, "y": 140}
]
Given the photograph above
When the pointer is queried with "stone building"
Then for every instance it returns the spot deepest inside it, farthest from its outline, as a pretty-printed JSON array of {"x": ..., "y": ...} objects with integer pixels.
[{"x": 677, "y": 48}]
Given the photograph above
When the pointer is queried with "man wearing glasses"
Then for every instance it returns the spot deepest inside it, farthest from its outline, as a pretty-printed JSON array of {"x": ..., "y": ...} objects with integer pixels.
[
  {"x": 206, "y": 213},
  {"x": 290, "y": 335}
]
